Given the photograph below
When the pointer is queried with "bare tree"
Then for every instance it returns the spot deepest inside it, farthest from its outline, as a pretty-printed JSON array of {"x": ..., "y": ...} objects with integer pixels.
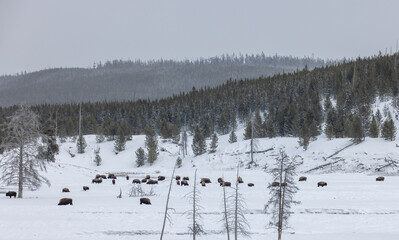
[
  {"x": 167, "y": 216},
  {"x": 240, "y": 223},
  {"x": 226, "y": 213},
  {"x": 194, "y": 214},
  {"x": 282, "y": 196},
  {"x": 21, "y": 162}
]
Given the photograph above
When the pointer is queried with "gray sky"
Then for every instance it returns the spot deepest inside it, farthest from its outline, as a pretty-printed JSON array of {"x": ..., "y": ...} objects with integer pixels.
[{"x": 45, "y": 33}]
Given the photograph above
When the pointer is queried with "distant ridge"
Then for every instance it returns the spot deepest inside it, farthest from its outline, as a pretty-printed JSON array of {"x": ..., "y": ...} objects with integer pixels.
[{"x": 131, "y": 80}]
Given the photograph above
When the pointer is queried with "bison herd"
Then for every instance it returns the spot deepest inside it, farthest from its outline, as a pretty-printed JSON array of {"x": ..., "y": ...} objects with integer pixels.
[{"x": 180, "y": 181}]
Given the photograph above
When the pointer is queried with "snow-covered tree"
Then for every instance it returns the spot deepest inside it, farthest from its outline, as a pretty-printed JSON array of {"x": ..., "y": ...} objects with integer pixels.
[
  {"x": 120, "y": 141},
  {"x": 199, "y": 144},
  {"x": 388, "y": 131},
  {"x": 20, "y": 163},
  {"x": 97, "y": 158},
  {"x": 140, "y": 157},
  {"x": 214, "y": 143},
  {"x": 232, "y": 137},
  {"x": 282, "y": 196}
]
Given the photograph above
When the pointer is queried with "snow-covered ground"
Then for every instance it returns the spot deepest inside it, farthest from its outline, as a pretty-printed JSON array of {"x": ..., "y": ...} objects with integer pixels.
[{"x": 352, "y": 206}]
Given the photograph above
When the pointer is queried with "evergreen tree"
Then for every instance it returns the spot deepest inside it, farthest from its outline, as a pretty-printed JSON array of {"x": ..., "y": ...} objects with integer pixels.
[
  {"x": 313, "y": 130},
  {"x": 348, "y": 128},
  {"x": 258, "y": 126},
  {"x": 97, "y": 158},
  {"x": 330, "y": 132},
  {"x": 270, "y": 129},
  {"x": 51, "y": 147},
  {"x": 378, "y": 118},
  {"x": 248, "y": 131},
  {"x": 304, "y": 137},
  {"x": 357, "y": 130},
  {"x": 140, "y": 157},
  {"x": 373, "y": 132},
  {"x": 388, "y": 130},
  {"x": 232, "y": 137},
  {"x": 165, "y": 131},
  {"x": 81, "y": 144},
  {"x": 151, "y": 143},
  {"x": 120, "y": 141},
  {"x": 214, "y": 143},
  {"x": 175, "y": 133},
  {"x": 199, "y": 144}
]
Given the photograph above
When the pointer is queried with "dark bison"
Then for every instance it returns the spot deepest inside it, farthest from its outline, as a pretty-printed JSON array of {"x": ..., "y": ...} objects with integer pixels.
[
  {"x": 85, "y": 188},
  {"x": 150, "y": 181},
  {"x": 101, "y": 176},
  {"x": 206, "y": 180},
  {"x": 178, "y": 182},
  {"x": 65, "y": 201},
  {"x": 111, "y": 176},
  {"x": 240, "y": 180},
  {"x": 250, "y": 185},
  {"x": 177, "y": 177},
  {"x": 145, "y": 201},
  {"x": 148, "y": 177},
  {"x": 137, "y": 181},
  {"x": 11, "y": 194},
  {"x": 127, "y": 178},
  {"x": 144, "y": 180},
  {"x": 65, "y": 190},
  {"x": 186, "y": 178},
  {"x": 284, "y": 184},
  {"x": 97, "y": 180},
  {"x": 161, "y": 178},
  {"x": 321, "y": 184},
  {"x": 220, "y": 180},
  {"x": 275, "y": 184},
  {"x": 203, "y": 183},
  {"x": 303, "y": 179},
  {"x": 380, "y": 179},
  {"x": 226, "y": 184},
  {"x": 184, "y": 183},
  {"x": 113, "y": 181}
]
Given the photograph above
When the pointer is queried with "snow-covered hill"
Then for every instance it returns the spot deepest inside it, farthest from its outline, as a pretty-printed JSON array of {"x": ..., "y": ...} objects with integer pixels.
[{"x": 352, "y": 206}]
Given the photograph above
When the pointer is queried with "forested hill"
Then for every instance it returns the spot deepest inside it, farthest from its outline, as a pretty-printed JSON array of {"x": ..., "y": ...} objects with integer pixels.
[
  {"x": 336, "y": 99},
  {"x": 132, "y": 80}
]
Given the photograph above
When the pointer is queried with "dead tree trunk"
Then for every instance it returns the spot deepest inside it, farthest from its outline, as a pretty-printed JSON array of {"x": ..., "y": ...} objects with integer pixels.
[{"x": 167, "y": 203}]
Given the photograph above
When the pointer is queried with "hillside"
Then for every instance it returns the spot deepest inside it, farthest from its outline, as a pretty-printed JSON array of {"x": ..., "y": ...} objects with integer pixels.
[{"x": 132, "y": 80}]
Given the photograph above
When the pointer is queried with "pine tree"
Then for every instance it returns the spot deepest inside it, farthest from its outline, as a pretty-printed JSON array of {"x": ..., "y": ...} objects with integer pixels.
[
  {"x": 20, "y": 163},
  {"x": 258, "y": 126},
  {"x": 378, "y": 117},
  {"x": 140, "y": 157},
  {"x": 214, "y": 143},
  {"x": 165, "y": 130},
  {"x": 232, "y": 137},
  {"x": 151, "y": 144},
  {"x": 357, "y": 130},
  {"x": 329, "y": 131},
  {"x": 248, "y": 131},
  {"x": 120, "y": 141},
  {"x": 97, "y": 159},
  {"x": 270, "y": 129},
  {"x": 388, "y": 130},
  {"x": 199, "y": 144},
  {"x": 304, "y": 137},
  {"x": 81, "y": 144},
  {"x": 373, "y": 132},
  {"x": 179, "y": 162}
]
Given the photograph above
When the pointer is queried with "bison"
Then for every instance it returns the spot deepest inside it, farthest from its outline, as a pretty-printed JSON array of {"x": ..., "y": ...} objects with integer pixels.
[
  {"x": 380, "y": 179},
  {"x": 184, "y": 183},
  {"x": 65, "y": 201},
  {"x": 145, "y": 201},
  {"x": 240, "y": 180},
  {"x": 85, "y": 188},
  {"x": 144, "y": 180},
  {"x": 65, "y": 190},
  {"x": 203, "y": 183},
  {"x": 177, "y": 177},
  {"x": 275, "y": 184},
  {"x": 137, "y": 181},
  {"x": 284, "y": 184},
  {"x": 150, "y": 181},
  {"x": 220, "y": 180},
  {"x": 161, "y": 178},
  {"x": 113, "y": 181},
  {"x": 321, "y": 184},
  {"x": 186, "y": 178},
  {"x": 303, "y": 179},
  {"x": 127, "y": 178},
  {"x": 250, "y": 185},
  {"x": 148, "y": 177},
  {"x": 101, "y": 176},
  {"x": 178, "y": 182},
  {"x": 111, "y": 176},
  {"x": 11, "y": 194},
  {"x": 206, "y": 180},
  {"x": 97, "y": 180},
  {"x": 226, "y": 184}
]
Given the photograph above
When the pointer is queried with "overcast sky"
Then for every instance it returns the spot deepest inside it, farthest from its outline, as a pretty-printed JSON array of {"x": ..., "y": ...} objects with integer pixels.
[{"x": 45, "y": 33}]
